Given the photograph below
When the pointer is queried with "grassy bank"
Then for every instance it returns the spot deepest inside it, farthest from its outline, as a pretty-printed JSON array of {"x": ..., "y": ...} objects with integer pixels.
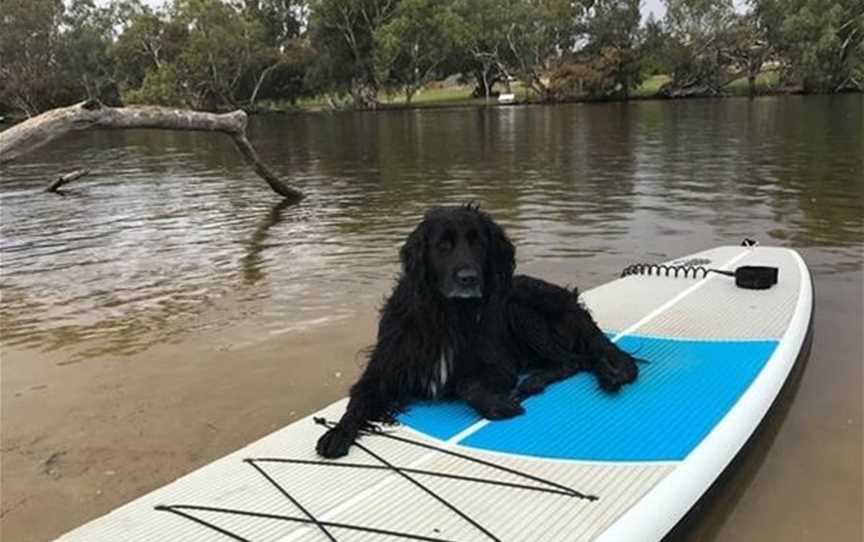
[
  {"x": 460, "y": 95},
  {"x": 454, "y": 96}
]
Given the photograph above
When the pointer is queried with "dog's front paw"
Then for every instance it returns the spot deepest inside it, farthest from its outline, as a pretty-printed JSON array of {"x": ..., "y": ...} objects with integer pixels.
[
  {"x": 500, "y": 408},
  {"x": 615, "y": 368},
  {"x": 335, "y": 442}
]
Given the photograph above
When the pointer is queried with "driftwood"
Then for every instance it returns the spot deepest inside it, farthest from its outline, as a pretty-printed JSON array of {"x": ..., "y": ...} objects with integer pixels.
[
  {"x": 42, "y": 129},
  {"x": 68, "y": 178}
]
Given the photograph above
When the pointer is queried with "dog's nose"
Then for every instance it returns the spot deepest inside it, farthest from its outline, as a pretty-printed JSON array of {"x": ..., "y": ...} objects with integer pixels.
[{"x": 467, "y": 277}]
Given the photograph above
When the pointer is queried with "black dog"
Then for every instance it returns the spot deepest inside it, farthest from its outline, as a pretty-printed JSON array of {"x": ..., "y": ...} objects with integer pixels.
[{"x": 459, "y": 324}]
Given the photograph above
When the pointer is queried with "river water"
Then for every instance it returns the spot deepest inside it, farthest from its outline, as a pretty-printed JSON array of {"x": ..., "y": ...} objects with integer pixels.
[{"x": 173, "y": 234}]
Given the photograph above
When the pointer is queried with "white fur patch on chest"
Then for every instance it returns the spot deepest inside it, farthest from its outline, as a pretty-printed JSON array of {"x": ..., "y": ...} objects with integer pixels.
[{"x": 441, "y": 373}]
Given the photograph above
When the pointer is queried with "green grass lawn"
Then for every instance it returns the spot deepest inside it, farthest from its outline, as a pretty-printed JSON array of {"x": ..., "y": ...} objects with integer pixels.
[
  {"x": 650, "y": 86},
  {"x": 456, "y": 95},
  {"x": 764, "y": 83}
]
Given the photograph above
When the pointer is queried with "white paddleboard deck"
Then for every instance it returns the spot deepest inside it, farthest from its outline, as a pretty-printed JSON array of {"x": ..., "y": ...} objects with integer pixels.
[{"x": 718, "y": 355}]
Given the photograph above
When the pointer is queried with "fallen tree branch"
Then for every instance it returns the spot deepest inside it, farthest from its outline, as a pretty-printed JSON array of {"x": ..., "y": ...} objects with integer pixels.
[
  {"x": 44, "y": 128},
  {"x": 68, "y": 178}
]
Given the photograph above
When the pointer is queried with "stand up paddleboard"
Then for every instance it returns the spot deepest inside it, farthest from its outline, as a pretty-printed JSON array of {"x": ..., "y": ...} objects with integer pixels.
[{"x": 580, "y": 464}]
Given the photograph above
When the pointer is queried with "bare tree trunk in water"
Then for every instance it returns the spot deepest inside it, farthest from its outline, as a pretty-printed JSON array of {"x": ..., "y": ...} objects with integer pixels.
[
  {"x": 48, "y": 126},
  {"x": 68, "y": 178}
]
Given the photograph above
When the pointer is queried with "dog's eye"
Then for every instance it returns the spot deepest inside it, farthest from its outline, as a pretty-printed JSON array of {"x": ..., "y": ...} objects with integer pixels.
[{"x": 473, "y": 237}]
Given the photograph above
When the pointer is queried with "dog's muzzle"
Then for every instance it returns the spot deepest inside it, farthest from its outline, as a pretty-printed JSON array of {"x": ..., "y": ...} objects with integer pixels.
[{"x": 466, "y": 284}]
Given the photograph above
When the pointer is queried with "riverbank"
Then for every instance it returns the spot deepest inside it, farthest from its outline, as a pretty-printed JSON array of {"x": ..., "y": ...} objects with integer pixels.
[{"x": 767, "y": 84}]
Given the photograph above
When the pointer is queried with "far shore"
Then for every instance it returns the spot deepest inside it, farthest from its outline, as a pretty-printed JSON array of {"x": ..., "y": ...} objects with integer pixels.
[{"x": 460, "y": 96}]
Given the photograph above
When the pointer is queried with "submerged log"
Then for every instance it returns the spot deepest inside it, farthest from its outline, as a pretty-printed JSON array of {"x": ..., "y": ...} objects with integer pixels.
[
  {"x": 44, "y": 128},
  {"x": 68, "y": 178}
]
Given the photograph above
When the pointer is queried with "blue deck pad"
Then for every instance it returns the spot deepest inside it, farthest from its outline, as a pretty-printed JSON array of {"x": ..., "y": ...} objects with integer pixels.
[{"x": 685, "y": 390}]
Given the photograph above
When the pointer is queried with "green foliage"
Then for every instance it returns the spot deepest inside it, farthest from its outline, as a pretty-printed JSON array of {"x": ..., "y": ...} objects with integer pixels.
[
  {"x": 698, "y": 35},
  {"x": 613, "y": 42},
  {"x": 414, "y": 43},
  {"x": 29, "y": 45},
  {"x": 216, "y": 54},
  {"x": 147, "y": 40},
  {"x": 537, "y": 31},
  {"x": 84, "y": 54},
  {"x": 609, "y": 64},
  {"x": 481, "y": 47},
  {"x": 342, "y": 34},
  {"x": 653, "y": 46},
  {"x": 161, "y": 86},
  {"x": 822, "y": 40}
]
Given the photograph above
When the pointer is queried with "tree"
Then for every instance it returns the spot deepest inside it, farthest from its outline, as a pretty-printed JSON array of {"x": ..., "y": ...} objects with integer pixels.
[
  {"x": 342, "y": 36},
  {"x": 612, "y": 28},
  {"x": 537, "y": 32},
  {"x": 597, "y": 75},
  {"x": 414, "y": 43},
  {"x": 281, "y": 20},
  {"x": 823, "y": 41},
  {"x": 221, "y": 46},
  {"x": 279, "y": 67},
  {"x": 607, "y": 64},
  {"x": 29, "y": 45},
  {"x": 699, "y": 32},
  {"x": 148, "y": 42},
  {"x": 748, "y": 48},
  {"x": 84, "y": 56},
  {"x": 653, "y": 44},
  {"x": 481, "y": 43}
]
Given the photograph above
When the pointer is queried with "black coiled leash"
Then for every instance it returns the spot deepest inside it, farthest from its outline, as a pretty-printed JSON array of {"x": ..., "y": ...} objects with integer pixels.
[{"x": 751, "y": 277}]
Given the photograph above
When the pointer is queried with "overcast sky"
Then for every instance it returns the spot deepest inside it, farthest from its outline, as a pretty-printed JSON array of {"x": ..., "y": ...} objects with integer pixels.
[{"x": 648, "y": 6}]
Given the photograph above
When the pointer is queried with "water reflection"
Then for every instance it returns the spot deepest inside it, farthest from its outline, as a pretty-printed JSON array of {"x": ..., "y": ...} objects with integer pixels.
[
  {"x": 172, "y": 233},
  {"x": 253, "y": 262}
]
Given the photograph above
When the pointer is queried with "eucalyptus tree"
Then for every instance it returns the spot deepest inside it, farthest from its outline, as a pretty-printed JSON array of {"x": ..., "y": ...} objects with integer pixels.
[
  {"x": 342, "y": 36},
  {"x": 412, "y": 47},
  {"x": 537, "y": 33},
  {"x": 611, "y": 34},
  {"x": 84, "y": 60},
  {"x": 148, "y": 42},
  {"x": 481, "y": 44},
  {"x": 749, "y": 48},
  {"x": 279, "y": 67},
  {"x": 652, "y": 48},
  {"x": 821, "y": 41},
  {"x": 220, "y": 46},
  {"x": 699, "y": 31},
  {"x": 29, "y": 46}
]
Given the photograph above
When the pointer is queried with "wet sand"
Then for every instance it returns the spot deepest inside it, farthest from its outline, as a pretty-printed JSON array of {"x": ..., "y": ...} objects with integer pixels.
[{"x": 79, "y": 440}]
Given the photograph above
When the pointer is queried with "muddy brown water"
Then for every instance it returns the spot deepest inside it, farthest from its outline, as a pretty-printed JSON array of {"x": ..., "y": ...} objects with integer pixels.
[{"x": 168, "y": 308}]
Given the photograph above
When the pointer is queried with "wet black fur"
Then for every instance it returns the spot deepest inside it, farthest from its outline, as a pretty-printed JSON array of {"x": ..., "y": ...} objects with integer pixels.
[{"x": 519, "y": 324}]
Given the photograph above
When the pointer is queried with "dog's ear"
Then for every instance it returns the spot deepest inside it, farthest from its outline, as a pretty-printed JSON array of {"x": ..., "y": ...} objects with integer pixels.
[
  {"x": 501, "y": 255},
  {"x": 413, "y": 252}
]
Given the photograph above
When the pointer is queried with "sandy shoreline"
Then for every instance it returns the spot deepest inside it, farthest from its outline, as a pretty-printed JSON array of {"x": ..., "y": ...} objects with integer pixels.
[{"x": 79, "y": 440}]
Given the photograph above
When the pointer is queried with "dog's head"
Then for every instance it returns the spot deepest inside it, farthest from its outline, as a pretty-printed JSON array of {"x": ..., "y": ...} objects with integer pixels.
[{"x": 459, "y": 252}]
